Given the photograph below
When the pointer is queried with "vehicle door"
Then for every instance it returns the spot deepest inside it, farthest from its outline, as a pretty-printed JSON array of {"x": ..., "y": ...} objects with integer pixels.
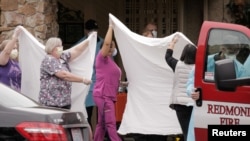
[{"x": 218, "y": 107}]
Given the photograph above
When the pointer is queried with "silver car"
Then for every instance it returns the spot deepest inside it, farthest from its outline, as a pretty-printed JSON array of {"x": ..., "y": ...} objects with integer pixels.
[{"x": 23, "y": 119}]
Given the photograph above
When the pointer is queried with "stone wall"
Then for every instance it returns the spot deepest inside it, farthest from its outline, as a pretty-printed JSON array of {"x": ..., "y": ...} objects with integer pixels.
[{"x": 38, "y": 16}]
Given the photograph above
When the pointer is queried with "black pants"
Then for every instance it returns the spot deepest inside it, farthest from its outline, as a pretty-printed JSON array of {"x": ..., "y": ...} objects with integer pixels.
[
  {"x": 89, "y": 112},
  {"x": 183, "y": 114},
  {"x": 64, "y": 107},
  {"x": 143, "y": 137}
]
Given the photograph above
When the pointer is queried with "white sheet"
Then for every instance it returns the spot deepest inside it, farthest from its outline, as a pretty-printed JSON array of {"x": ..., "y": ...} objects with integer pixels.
[
  {"x": 30, "y": 57},
  {"x": 150, "y": 81}
]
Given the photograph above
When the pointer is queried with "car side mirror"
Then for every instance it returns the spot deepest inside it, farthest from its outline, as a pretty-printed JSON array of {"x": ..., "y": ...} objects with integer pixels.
[{"x": 225, "y": 76}]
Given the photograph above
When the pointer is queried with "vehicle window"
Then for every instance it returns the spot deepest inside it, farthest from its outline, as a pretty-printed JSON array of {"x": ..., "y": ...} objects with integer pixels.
[
  {"x": 11, "y": 98},
  {"x": 227, "y": 44}
]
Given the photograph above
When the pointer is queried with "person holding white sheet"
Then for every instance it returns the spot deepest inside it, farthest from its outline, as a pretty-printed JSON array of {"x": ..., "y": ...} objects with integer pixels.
[
  {"x": 180, "y": 101},
  {"x": 10, "y": 72},
  {"x": 108, "y": 76},
  {"x": 55, "y": 76}
]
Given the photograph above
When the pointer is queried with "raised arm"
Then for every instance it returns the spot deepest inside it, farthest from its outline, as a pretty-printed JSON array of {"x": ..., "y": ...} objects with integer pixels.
[
  {"x": 107, "y": 43},
  {"x": 76, "y": 50},
  {"x": 173, "y": 42},
  {"x": 171, "y": 61},
  {"x": 7, "y": 46}
]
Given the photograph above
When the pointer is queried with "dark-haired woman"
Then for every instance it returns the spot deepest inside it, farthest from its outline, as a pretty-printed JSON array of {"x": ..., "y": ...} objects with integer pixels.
[
  {"x": 180, "y": 101},
  {"x": 108, "y": 75}
]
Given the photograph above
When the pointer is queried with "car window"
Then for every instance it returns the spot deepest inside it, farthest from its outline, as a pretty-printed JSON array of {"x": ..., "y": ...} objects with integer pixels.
[
  {"x": 227, "y": 44},
  {"x": 11, "y": 98}
]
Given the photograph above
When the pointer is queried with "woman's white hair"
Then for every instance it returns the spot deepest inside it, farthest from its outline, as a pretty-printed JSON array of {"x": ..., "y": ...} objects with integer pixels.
[{"x": 52, "y": 43}]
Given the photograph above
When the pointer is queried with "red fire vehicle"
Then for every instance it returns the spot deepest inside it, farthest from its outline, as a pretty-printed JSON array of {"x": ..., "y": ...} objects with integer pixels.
[{"x": 225, "y": 99}]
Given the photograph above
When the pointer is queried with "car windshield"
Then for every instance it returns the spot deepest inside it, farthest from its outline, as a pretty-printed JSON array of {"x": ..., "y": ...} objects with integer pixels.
[{"x": 11, "y": 98}]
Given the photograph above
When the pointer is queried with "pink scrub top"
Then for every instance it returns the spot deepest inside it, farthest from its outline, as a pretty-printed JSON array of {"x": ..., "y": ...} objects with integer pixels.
[{"x": 108, "y": 76}]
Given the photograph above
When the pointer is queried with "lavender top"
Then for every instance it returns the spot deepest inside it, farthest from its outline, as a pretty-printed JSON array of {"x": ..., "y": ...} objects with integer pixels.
[{"x": 10, "y": 75}]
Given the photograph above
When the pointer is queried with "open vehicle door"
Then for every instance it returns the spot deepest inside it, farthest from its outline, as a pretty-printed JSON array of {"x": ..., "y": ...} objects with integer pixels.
[{"x": 225, "y": 97}]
